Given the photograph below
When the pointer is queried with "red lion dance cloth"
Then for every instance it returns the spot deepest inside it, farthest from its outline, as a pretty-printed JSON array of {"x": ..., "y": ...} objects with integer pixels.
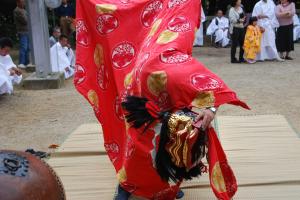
[{"x": 143, "y": 48}]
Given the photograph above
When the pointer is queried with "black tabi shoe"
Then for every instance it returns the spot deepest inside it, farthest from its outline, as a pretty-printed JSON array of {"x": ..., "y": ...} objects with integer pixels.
[{"x": 288, "y": 58}]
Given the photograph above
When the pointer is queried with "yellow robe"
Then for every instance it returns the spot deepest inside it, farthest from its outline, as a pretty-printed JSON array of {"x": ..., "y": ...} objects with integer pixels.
[{"x": 252, "y": 42}]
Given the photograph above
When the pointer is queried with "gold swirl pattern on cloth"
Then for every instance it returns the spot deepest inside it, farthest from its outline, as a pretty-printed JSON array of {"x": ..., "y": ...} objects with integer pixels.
[
  {"x": 204, "y": 100},
  {"x": 99, "y": 55},
  {"x": 93, "y": 98},
  {"x": 121, "y": 175},
  {"x": 105, "y": 8},
  {"x": 217, "y": 178},
  {"x": 166, "y": 37},
  {"x": 180, "y": 127},
  {"x": 128, "y": 79},
  {"x": 157, "y": 82}
]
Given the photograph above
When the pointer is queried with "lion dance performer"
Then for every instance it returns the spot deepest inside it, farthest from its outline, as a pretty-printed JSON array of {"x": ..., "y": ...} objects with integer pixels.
[{"x": 134, "y": 66}]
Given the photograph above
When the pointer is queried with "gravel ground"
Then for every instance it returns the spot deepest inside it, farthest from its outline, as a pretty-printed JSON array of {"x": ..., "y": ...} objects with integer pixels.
[{"x": 36, "y": 119}]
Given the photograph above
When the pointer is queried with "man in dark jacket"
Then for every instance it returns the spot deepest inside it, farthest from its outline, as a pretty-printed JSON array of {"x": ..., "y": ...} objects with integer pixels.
[
  {"x": 20, "y": 18},
  {"x": 66, "y": 16}
]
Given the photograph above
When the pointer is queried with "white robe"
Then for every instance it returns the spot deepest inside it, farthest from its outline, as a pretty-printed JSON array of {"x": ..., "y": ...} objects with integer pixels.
[
  {"x": 62, "y": 58},
  {"x": 6, "y": 86},
  {"x": 199, "y": 34},
  {"x": 296, "y": 27},
  {"x": 268, "y": 45},
  {"x": 6, "y": 80},
  {"x": 220, "y": 30},
  {"x": 52, "y": 41},
  {"x": 71, "y": 56}
]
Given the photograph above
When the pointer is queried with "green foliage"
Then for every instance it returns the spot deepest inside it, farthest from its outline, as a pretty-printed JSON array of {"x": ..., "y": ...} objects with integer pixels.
[{"x": 7, "y": 26}]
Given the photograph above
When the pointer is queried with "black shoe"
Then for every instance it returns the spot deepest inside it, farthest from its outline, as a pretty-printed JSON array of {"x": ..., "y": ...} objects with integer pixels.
[
  {"x": 234, "y": 61},
  {"x": 288, "y": 58}
]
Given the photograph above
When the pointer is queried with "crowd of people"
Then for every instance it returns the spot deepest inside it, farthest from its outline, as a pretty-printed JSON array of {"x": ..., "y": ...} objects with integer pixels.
[
  {"x": 268, "y": 33},
  {"x": 61, "y": 54}
]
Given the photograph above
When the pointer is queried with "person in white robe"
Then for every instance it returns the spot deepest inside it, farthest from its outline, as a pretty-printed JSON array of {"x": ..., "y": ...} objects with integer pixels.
[
  {"x": 199, "y": 37},
  {"x": 219, "y": 27},
  {"x": 6, "y": 86},
  {"x": 71, "y": 56},
  {"x": 296, "y": 27},
  {"x": 9, "y": 73},
  {"x": 264, "y": 10},
  {"x": 62, "y": 57}
]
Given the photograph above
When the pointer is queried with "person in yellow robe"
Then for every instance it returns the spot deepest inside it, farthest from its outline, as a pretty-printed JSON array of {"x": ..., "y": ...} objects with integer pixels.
[{"x": 252, "y": 40}]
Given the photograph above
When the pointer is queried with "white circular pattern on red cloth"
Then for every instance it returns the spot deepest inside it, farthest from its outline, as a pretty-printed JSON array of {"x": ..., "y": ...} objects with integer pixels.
[
  {"x": 80, "y": 74},
  {"x": 150, "y": 12},
  {"x": 81, "y": 33},
  {"x": 172, "y": 56},
  {"x": 112, "y": 150},
  {"x": 173, "y": 3},
  {"x": 102, "y": 77},
  {"x": 106, "y": 23},
  {"x": 179, "y": 24},
  {"x": 122, "y": 55},
  {"x": 204, "y": 83}
]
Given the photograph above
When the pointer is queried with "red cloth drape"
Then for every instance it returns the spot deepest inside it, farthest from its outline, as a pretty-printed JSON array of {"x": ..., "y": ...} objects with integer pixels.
[
  {"x": 143, "y": 48},
  {"x": 222, "y": 179}
]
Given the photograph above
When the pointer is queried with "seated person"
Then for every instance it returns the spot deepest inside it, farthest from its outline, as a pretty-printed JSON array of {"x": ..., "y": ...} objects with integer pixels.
[
  {"x": 9, "y": 73},
  {"x": 55, "y": 36},
  {"x": 296, "y": 27},
  {"x": 62, "y": 57},
  {"x": 219, "y": 27}
]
